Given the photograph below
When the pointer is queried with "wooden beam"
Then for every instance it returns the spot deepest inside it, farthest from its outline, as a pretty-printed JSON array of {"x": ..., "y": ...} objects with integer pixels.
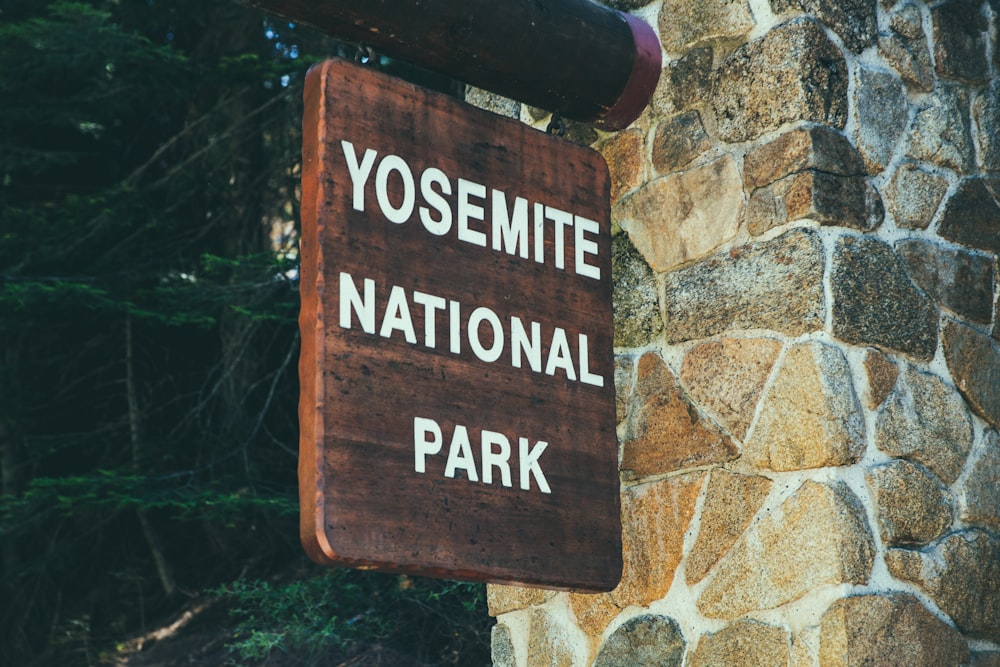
[{"x": 581, "y": 59}]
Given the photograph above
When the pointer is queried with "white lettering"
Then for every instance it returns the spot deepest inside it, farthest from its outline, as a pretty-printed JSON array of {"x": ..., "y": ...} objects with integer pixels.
[
  {"x": 431, "y": 305},
  {"x": 350, "y": 300},
  {"x": 585, "y": 374},
  {"x": 522, "y": 344},
  {"x": 562, "y": 220},
  {"x": 559, "y": 355},
  {"x": 493, "y": 459},
  {"x": 430, "y": 177},
  {"x": 584, "y": 246},
  {"x": 529, "y": 465},
  {"x": 495, "y": 455},
  {"x": 460, "y": 455},
  {"x": 359, "y": 172},
  {"x": 510, "y": 231},
  {"x": 422, "y": 447},
  {"x": 480, "y": 315},
  {"x": 397, "y": 316},
  {"x": 469, "y": 211},
  {"x": 389, "y": 164}
]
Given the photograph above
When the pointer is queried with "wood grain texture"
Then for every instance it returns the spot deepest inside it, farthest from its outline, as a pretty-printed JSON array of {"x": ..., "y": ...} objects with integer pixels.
[{"x": 363, "y": 503}]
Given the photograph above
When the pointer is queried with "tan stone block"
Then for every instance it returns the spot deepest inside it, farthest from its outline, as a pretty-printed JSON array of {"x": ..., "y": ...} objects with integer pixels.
[
  {"x": 731, "y": 500},
  {"x": 893, "y": 630},
  {"x": 663, "y": 431},
  {"x": 501, "y": 599},
  {"x": 793, "y": 73},
  {"x": 812, "y": 147},
  {"x": 742, "y": 644},
  {"x": 980, "y": 490},
  {"x": 593, "y": 612},
  {"x": 810, "y": 417},
  {"x": 624, "y": 153},
  {"x": 726, "y": 378},
  {"x": 911, "y": 505},
  {"x": 549, "y": 644},
  {"x": 816, "y": 538},
  {"x": 684, "y": 24},
  {"x": 654, "y": 519},
  {"x": 926, "y": 421},
  {"x": 961, "y": 573},
  {"x": 842, "y": 201},
  {"x": 881, "y": 372},
  {"x": 685, "y": 216},
  {"x": 648, "y": 639}
]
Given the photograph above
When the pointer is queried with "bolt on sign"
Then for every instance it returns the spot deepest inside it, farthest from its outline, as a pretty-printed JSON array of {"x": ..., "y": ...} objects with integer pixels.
[{"x": 457, "y": 392}]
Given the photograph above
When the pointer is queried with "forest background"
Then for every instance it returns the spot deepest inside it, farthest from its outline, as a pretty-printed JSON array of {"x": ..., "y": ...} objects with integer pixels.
[{"x": 149, "y": 174}]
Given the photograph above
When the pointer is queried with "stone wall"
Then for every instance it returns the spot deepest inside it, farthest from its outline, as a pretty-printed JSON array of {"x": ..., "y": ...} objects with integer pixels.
[{"x": 808, "y": 369}]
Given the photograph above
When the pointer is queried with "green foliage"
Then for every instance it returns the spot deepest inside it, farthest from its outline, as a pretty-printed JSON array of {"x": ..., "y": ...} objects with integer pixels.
[
  {"x": 329, "y": 616},
  {"x": 149, "y": 161}
]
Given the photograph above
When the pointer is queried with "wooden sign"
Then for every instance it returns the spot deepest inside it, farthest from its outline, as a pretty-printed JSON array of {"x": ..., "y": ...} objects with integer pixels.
[{"x": 457, "y": 392}]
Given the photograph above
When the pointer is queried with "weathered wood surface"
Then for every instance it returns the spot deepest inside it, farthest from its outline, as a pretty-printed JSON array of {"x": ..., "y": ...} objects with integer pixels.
[
  {"x": 363, "y": 503},
  {"x": 582, "y": 59}
]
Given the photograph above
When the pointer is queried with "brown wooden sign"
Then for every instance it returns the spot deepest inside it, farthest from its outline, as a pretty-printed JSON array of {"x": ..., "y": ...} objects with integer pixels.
[{"x": 457, "y": 396}]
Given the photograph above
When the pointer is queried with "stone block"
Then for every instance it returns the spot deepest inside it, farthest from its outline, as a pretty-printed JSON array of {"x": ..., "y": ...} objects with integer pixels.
[
  {"x": 685, "y": 24},
  {"x": 817, "y": 537},
  {"x": 635, "y": 299},
  {"x": 845, "y": 201},
  {"x": 685, "y": 216},
  {"x": 913, "y": 195},
  {"x": 926, "y": 421},
  {"x": 941, "y": 133},
  {"x": 731, "y": 501},
  {"x": 880, "y": 115},
  {"x": 793, "y": 73},
  {"x": 549, "y": 644},
  {"x": 979, "y": 493},
  {"x": 904, "y": 47},
  {"x": 957, "y": 280},
  {"x": 961, "y": 38},
  {"x": 881, "y": 373},
  {"x": 972, "y": 215},
  {"x": 655, "y": 517},
  {"x": 624, "y": 383},
  {"x": 663, "y": 431},
  {"x": 501, "y": 599},
  {"x": 810, "y": 417},
  {"x": 502, "y": 647},
  {"x": 986, "y": 118},
  {"x": 775, "y": 284},
  {"x": 875, "y": 303},
  {"x": 679, "y": 140},
  {"x": 644, "y": 640},
  {"x": 743, "y": 643},
  {"x": 685, "y": 83},
  {"x": 974, "y": 362},
  {"x": 890, "y": 630},
  {"x": 726, "y": 377},
  {"x": 593, "y": 612},
  {"x": 625, "y": 154},
  {"x": 498, "y": 104},
  {"x": 854, "y": 21},
  {"x": 961, "y": 574},
  {"x": 911, "y": 505},
  {"x": 810, "y": 147}
]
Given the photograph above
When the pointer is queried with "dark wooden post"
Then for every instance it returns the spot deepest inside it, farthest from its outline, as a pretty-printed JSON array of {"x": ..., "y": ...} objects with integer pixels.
[{"x": 581, "y": 59}]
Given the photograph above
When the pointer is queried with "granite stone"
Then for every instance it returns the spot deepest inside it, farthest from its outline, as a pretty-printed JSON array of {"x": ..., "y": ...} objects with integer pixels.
[
  {"x": 913, "y": 194},
  {"x": 972, "y": 215},
  {"x": 926, "y": 421},
  {"x": 635, "y": 300},
  {"x": 745, "y": 643},
  {"x": 894, "y": 315},
  {"x": 775, "y": 284},
  {"x": 956, "y": 279},
  {"x": 648, "y": 639},
  {"x": 911, "y": 504},
  {"x": 974, "y": 361},
  {"x": 792, "y": 73}
]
